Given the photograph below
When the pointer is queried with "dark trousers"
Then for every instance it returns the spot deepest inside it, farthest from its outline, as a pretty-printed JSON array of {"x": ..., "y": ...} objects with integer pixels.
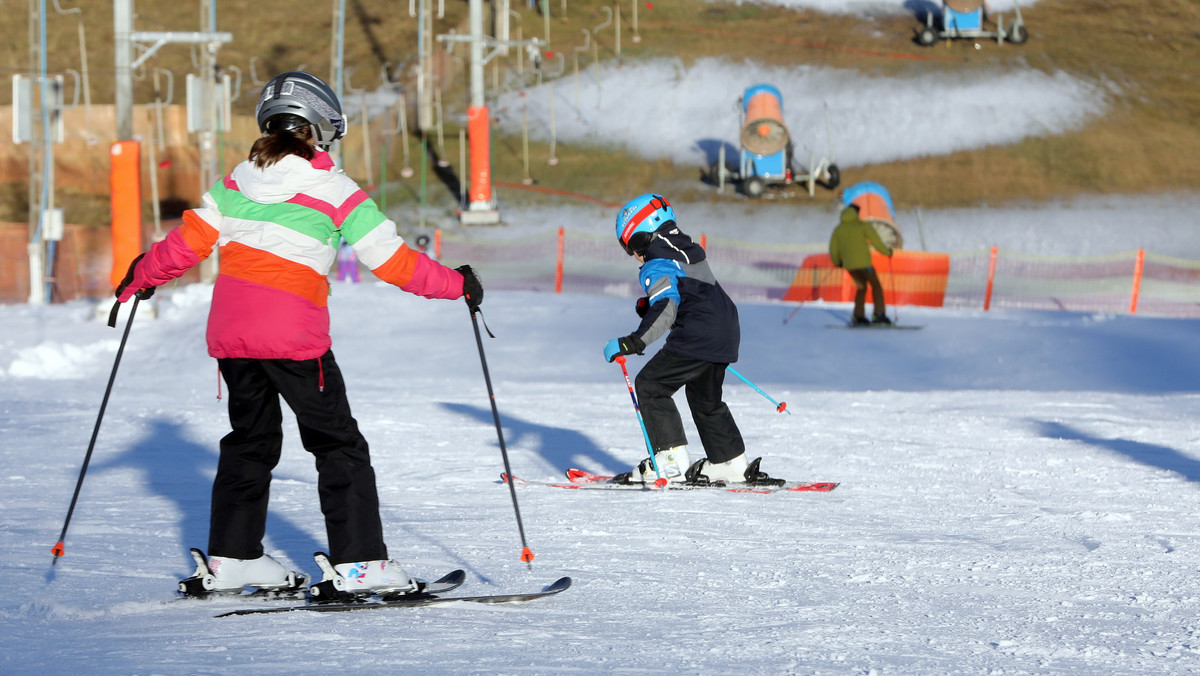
[
  {"x": 862, "y": 277},
  {"x": 661, "y": 378},
  {"x": 345, "y": 479}
]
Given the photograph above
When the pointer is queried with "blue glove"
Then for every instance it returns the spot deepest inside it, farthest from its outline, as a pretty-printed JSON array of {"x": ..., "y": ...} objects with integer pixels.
[
  {"x": 611, "y": 349},
  {"x": 630, "y": 344}
]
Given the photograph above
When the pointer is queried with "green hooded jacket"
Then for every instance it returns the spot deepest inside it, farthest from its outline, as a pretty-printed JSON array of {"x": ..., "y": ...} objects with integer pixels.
[{"x": 848, "y": 245}]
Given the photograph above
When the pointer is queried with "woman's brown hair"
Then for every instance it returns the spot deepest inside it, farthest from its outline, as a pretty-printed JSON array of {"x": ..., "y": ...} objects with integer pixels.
[{"x": 283, "y": 135}]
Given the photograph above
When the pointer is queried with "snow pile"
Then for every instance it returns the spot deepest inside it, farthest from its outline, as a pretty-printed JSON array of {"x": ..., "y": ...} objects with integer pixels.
[{"x": 694, "y": 110}]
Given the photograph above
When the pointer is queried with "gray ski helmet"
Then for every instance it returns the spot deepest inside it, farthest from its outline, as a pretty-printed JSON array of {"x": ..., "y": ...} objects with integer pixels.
[{"x": 307, "y": 96}]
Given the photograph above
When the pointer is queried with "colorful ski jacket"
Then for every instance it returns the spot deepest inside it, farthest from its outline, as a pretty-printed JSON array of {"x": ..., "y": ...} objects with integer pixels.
[
  {"x": 686, "y": 300},
  {"x": 278, "y": 231},
  {"x": 848, "y": 244}
]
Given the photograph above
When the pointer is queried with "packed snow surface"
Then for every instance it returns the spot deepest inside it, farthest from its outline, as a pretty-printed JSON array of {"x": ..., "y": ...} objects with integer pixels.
[
  {"x": 1018, "y": 489},
  {"x": 1017, "y": 495}
]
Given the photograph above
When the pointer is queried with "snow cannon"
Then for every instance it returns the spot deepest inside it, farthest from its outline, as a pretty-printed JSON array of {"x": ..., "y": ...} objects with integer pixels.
[
  {"x": 763, "y": 131},
  {"x": 875, "y": 206},
  {"x": 766, "y": 149},
  {"x": 967, "y": 19}
]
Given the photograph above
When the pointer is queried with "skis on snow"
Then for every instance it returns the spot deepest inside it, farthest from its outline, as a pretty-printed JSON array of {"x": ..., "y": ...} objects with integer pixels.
[
  {"x": 326, "y": 598},
  {"x": 422, "y": 598},
  {"x": 872, "y": 326},
  {"x": 579, "y": 479}
]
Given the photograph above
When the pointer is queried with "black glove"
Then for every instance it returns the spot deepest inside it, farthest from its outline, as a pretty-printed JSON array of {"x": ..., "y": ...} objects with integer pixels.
[
  {"x": 142, "y": 294},
  {"x": 642, "y": 306},
  {"x": 472, "y": 287}
]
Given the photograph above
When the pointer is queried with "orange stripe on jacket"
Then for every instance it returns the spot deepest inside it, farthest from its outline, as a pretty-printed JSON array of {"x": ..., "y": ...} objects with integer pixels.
[
  {"x": 398, "y": 269},
  {"x": 198, "y": 234},
  {"x": 260, "y": 267}
]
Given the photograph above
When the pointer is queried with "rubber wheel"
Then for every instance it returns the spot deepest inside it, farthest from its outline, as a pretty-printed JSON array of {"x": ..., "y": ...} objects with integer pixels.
[
  {"x": 714, "y": 173},
  {"x": 1018, "y": 35},
  {"x": 754, "y": 187},
  {"x": 835, "y": 177},
  {"x": 926, "y": 37}
]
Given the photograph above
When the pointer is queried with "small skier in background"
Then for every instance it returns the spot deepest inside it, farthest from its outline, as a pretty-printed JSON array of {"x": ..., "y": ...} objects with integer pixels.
[
  {"x": 347, "y": 263},
  {"x": 275, "y": 218},
  {"x": 848, "y": 247},
  {"x": 685, "y": 303}
]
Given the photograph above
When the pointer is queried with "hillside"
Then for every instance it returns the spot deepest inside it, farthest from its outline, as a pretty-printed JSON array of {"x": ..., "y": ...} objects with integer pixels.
[{"x": 1142, "y": 52}]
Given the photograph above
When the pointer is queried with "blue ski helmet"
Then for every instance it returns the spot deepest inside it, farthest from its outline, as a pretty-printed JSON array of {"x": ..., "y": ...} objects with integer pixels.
[{"x": 640, "y": 218}]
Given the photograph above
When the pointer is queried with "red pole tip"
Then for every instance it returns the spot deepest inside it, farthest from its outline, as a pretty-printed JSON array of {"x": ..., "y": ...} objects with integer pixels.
[
  {"x": 526, "y": 555},
  {"x": 660, "y": 483},
  {"x": 782, "y": 407},
  {"x": 57, "y": 549}
]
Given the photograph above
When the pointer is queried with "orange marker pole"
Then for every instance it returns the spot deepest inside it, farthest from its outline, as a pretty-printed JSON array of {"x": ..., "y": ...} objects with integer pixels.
[
  {"x": 558, "y": 268},
  {"x": 991, "y": 279},
  {"x": 1137, "y": 280}
]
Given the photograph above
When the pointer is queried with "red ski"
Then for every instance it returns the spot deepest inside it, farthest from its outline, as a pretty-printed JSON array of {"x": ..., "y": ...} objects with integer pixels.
[{"x": 578, "y": 479}]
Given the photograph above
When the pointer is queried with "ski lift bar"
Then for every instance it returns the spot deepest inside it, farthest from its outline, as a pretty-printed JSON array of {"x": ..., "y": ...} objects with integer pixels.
[{"x": 160, "y": 38}]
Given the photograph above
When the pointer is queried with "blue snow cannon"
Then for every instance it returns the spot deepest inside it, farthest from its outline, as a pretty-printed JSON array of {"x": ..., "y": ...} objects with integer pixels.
[
  {"x": 967, "y": 19},
  {"x": 766, "y": 148}
]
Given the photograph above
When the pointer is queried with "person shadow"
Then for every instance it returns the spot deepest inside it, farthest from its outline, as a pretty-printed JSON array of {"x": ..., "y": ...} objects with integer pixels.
[
  {"x": 559, "y": 447},
  {"x": 1151, "y": 455},
  {"x": 180, "y": 470}
]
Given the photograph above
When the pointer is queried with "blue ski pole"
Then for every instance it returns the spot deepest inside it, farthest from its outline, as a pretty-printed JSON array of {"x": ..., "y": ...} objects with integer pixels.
[
  {"x": 661, "y": 481},
  {"x": 779, "y": 406}
]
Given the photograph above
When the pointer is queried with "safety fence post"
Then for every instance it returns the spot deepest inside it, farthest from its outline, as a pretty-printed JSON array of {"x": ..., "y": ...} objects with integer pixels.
[
  {"x": 1137, "y": 280},
  {"x": 991, "y": 280},
  {"x": 558, "y": 267}
]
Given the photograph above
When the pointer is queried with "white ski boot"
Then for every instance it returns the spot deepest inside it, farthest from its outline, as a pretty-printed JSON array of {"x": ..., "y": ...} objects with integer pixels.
[
  {"x": 223, "y": 574},
  {"x": 672, "y": 463},
  {"x": 361, "y": 578},
  {"x": 733, "y": 471}
]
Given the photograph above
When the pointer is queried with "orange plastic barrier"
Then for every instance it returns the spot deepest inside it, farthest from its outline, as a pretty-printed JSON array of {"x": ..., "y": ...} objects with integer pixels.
[
  {"x": 125, "y": 185},
  {"x": 480, "y": 189},
  {"x": 910, "y": 278}
]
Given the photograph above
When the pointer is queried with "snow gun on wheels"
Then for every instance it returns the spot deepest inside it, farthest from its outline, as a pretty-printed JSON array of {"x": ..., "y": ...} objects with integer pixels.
[
  {"x": 966, "y": 19},
  {"x": 767, "y": 154}
]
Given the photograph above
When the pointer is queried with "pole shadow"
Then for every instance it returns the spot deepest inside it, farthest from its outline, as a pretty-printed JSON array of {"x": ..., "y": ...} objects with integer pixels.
[
  {"x": 180, "y": 470},
  {"x": 561, "y": 448},
  {"x": 1150, "y": 455}
]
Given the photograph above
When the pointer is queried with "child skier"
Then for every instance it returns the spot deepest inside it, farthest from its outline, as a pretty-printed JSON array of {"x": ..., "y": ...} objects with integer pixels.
[
  {"x": 684, "y": 302},
  {"x": 277, "y": 218}
]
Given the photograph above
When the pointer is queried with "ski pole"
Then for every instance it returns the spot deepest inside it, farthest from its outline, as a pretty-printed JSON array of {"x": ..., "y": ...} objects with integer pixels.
[
  {"x": 58, "y": 549},
  {"x": 661, "y": 481},
  {"x": 779, "y": 406},
  {"x": 526, "y": 553},
  {"x": 895, "y": 303}
]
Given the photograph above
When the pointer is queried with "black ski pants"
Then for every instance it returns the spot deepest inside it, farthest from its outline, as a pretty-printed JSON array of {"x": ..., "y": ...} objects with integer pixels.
[
  {"x": 316, "y": 393},
  {"x": 702, "y": 381}
]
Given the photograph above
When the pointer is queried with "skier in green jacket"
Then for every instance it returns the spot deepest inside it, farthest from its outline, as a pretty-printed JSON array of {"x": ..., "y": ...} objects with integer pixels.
[{"x": 848, "y": 249}]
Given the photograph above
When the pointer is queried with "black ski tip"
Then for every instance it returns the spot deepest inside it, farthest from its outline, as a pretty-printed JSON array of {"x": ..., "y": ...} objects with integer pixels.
[
  {"x": 455, "y": 577},
  {"x": 559, "y": 585}
]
